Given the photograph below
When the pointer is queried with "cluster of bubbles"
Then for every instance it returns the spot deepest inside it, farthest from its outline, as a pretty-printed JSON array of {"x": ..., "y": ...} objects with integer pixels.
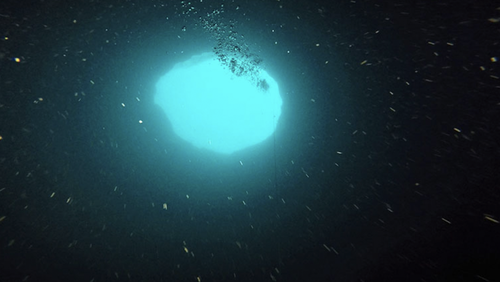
[{"x": 231, "y": 50}]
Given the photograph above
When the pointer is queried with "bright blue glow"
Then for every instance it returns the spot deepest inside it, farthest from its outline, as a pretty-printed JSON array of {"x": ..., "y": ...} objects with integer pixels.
[{"x": 211, "y": 107}]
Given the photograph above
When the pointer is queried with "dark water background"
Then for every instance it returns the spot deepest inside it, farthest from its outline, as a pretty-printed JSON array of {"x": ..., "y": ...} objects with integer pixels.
[{"x": 386, "y": 152}]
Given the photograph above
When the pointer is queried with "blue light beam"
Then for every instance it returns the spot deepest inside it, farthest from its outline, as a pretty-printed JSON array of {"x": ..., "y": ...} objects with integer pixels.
[{"x": 213, "y": 107}]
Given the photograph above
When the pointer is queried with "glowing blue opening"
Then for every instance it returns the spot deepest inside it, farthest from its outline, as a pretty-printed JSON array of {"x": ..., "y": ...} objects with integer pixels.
[{"x": 213, "y": 107}]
